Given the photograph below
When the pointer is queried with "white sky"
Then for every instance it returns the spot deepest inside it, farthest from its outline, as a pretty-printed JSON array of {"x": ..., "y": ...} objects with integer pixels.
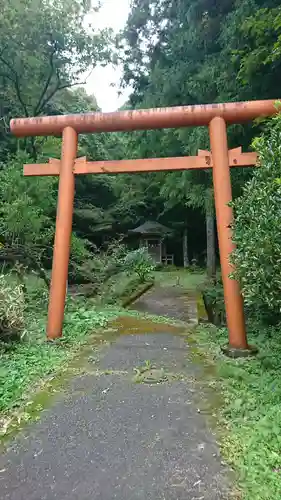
[{"x": 113, "y": 14}]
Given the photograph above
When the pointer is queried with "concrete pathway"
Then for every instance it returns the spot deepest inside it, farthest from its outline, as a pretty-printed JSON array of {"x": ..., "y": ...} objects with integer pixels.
[
  {"x": 173, "y": 302},
  {"x": 108, "y": 437}
]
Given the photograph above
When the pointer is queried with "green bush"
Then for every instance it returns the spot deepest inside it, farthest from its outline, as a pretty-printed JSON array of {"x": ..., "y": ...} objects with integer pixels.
[
  {"x": 257, "y": 228},
  {"x": 132, "y": 268},
  {"x": 11, "y": 311},
  {"x": 114, "y": 270},
  {"x": 140, "y": 262},
  {"x": 99, "y": 265}
]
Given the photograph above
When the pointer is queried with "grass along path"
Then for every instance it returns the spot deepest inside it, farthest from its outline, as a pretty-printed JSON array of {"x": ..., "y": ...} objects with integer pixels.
[
  {"x": 250, "y": 414},
  {"x": 189, "y": 281},
  {"x": 26, "y": 366},
  {"x": 250, "y": 417},
  {"x": 29, "y": 363}
]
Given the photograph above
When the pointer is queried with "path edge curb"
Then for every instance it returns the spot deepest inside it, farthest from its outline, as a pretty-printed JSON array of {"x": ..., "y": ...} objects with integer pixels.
[{"x": 141, "y": 291}]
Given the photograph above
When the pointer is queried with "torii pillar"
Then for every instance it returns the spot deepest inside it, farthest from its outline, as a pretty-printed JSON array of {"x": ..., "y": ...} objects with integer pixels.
[
  {"x": 223, "y": 195},
  {"x": 63, "y": 233}
]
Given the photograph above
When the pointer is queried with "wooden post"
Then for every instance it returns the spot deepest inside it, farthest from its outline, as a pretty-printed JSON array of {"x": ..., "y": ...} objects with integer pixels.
[
  {"x": 63, "y": 234},
  {"x": 223, "y": 195}
]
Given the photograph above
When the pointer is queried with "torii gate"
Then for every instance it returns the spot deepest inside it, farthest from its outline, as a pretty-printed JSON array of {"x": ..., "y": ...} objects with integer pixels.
[{"x": 215, "y": 116}]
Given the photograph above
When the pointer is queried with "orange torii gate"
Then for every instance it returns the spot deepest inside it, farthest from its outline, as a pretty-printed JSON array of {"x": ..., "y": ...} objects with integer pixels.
[{"x": 215, "y": 116}]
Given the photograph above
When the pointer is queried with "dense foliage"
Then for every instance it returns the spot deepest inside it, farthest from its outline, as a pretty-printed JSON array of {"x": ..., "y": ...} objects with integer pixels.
[{"x": 257, "y": 227}]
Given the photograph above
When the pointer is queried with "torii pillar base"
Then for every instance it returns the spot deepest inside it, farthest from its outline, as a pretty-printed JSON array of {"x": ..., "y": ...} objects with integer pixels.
[{"x": 234, "y": 352}]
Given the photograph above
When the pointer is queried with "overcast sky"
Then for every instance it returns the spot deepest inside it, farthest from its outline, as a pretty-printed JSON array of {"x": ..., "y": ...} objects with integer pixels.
[{"x": 113, "y": 14}]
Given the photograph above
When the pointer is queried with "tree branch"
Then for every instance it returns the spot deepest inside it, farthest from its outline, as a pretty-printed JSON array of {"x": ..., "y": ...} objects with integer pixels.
[
  {"x": 38, "y": 107},
  {"x": 57, "y": 89},
  {"x": 49, "y": 97},
  {"x": 16, "y": 84}
]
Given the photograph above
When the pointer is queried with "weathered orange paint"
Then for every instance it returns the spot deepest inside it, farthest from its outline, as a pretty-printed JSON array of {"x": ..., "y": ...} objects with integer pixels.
[
  {"x": 62, "y": 235},
  {"x": 224, "y": 214},
  {"x": 82, "y": 166},
  {"x": 143, "y": 119}
]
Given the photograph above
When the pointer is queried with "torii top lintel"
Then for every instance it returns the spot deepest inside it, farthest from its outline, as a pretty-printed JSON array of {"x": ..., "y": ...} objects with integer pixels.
[{"x": 143, "y": 119}]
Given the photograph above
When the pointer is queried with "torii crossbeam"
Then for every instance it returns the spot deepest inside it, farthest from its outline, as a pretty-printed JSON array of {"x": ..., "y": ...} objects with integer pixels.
[
  {"x": 215, "y": 116},
  {"x": 82, "y": 166}
]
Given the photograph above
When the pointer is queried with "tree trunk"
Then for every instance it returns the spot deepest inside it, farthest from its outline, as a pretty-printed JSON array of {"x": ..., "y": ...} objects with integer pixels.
[
  {"x": 185, "y": 249},
  {"x": 210, "y": 233}
]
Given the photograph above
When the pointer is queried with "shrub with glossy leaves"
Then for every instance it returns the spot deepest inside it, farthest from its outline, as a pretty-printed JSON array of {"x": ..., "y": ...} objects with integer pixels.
[{"x": 257, "y": 227}]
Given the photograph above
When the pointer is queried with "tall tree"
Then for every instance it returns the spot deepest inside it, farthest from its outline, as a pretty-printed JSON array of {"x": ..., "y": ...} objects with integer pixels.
[{"x": 45, "y": 48}]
